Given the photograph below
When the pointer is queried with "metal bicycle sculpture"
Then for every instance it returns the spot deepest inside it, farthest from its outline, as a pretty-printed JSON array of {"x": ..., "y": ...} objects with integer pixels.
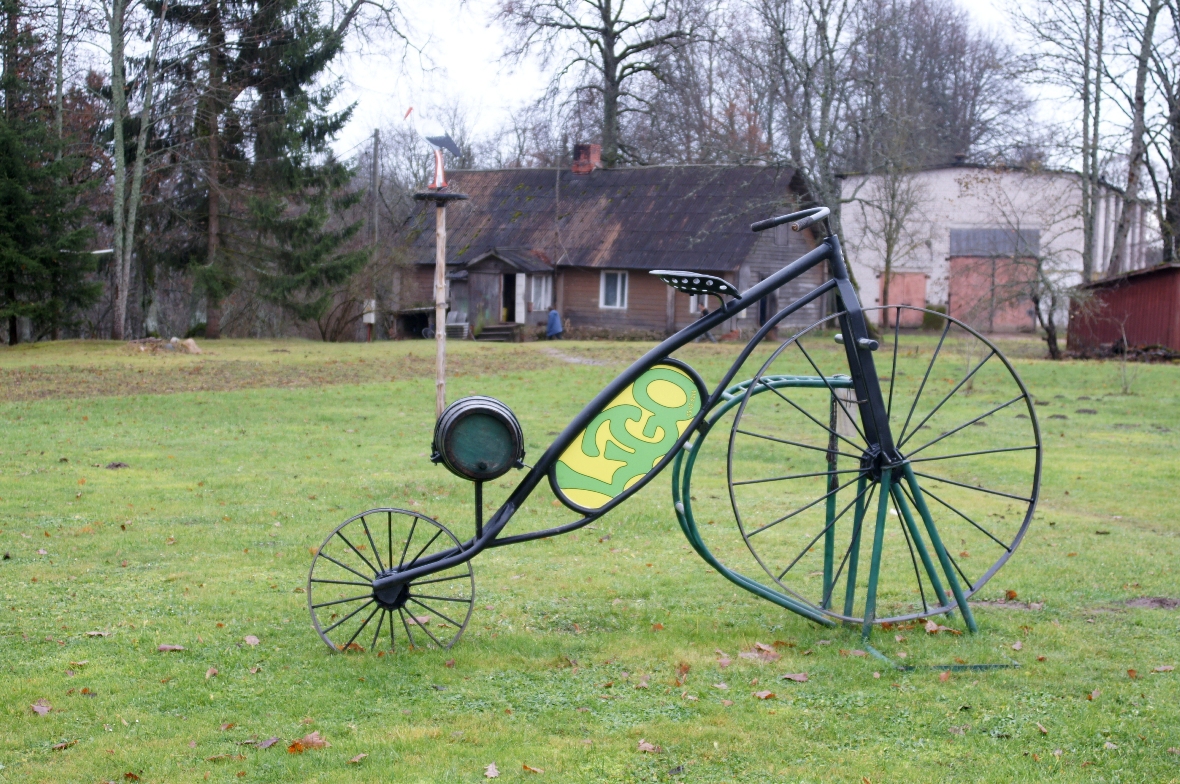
[{"x": 943, "y": 438}]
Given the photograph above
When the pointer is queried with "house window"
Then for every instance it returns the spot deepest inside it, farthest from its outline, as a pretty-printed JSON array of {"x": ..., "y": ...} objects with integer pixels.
[
  {"x": 612, "y": 290},
  {"x": 542, "y": 292}
]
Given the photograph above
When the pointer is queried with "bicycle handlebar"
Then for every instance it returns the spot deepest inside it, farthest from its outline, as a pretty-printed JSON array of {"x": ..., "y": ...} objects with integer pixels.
[{"x": 802, "y": 219}]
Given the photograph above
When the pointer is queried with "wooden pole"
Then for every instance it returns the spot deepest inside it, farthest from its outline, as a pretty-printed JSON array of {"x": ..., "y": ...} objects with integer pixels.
[{"x": 440, "y": 306}]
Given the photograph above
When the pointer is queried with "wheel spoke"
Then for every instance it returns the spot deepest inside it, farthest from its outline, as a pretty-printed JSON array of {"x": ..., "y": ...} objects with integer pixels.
[
  {"x": 826, "y": 528},
  {"x": 365, "y": 623},
  {"x": 368, "y": 596},
  {"x": 358, "y": 552},
  {"x": 823, "y": 449},
  {"x": 440, "y": 598},
  {"x": 406, "y": 546},
  {"x": 442, "y": 579},
  {"x": 427, "y": 607},
  {"x": 805, "y": 508},
  {"x": 848, "y": 552},
  {"x": 983, "y": 530},
  {"x": 949, "y": 433},
  {"x": 917, "y": 574},
  {"x": 437, "y": 534},
  {"x": 345, "y": 618},
  {"x": 796, "y": 476},
  {"x": 948, "y": 396},
  {"x": 813, "y": 419},
  {"x": 831, "y": 391},
  {"x": 893, "y": 370},
  {"x": 922, "y": 386},
  {"x": 392, "y": 639},
  {"x": 376, "y": 551},
  {"x": 973, "y": 487},
  {"x": 406, "y": 626},
  {"x": 422, "y": 626},
  {"x": 389, "y": 539},
  {"x": 322, "y": 554},
  {"x": 972, "y": 454},
  {"x": 342, "y": 582},
  {"x": 377, "y": 633}
]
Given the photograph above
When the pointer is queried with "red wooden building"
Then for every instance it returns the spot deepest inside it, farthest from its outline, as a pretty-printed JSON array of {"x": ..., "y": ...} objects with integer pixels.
[{"x": 1143, "y": 304}]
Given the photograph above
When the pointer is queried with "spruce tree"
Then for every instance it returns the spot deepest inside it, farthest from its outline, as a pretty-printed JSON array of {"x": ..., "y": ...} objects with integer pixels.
[{"x": 43, "y": 265}]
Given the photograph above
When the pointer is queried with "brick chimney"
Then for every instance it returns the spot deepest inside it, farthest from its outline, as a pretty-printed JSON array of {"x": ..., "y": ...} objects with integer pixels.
[{"x": 587, "y": 158}]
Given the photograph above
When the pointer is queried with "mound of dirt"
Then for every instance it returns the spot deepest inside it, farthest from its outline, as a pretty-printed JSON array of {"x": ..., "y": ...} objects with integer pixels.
[{"x": 1154, "y": 603}]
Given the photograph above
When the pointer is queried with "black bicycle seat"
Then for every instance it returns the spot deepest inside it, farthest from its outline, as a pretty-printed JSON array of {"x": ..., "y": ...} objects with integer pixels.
[{"x": 696, "y": 283}]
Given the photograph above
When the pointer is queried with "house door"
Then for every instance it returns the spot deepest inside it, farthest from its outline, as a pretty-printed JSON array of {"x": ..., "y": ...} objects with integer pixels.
[
  {"x": 768, "y": 305},
  {"x": 508, "y": 300}
]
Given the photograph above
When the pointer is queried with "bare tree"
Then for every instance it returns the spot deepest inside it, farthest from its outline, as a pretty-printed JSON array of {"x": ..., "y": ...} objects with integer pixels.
[
  {"x": 1069, "y": 51},
  {"x": 1040, "y": 267},
  {"x": 894, "y": 228},
  {"x": 1142, "y": 31},
  {"x": 603, "y": 44},
  {"x": 127, "y": 185}
]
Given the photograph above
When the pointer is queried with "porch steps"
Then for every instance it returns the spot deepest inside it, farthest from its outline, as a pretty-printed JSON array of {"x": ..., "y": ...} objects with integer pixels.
[{"x": 498, "y": 333}]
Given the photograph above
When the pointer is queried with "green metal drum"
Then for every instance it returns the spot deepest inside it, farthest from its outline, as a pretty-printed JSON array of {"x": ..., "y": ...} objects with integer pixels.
[{"x": 478, "y": 438}]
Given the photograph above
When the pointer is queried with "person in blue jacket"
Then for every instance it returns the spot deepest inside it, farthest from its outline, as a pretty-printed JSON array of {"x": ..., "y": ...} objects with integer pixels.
[{"x": 554, "y": 329}]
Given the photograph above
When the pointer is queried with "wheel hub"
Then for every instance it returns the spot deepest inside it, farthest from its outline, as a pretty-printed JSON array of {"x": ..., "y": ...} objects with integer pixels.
[{"x": 393, "y": 597}]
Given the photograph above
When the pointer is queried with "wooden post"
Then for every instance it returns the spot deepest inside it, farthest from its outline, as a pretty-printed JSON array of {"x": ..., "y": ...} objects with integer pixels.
[
  {"x": 440, "y": 197},
  {"x": 440, "y": 307}
]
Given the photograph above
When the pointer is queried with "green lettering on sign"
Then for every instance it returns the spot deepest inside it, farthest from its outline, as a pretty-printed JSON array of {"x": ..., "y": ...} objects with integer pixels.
[{"x": 626, "y": 440}]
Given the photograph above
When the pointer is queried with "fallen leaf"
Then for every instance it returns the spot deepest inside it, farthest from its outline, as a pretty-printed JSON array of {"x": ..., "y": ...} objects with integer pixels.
[
  {"x": 228, "y": 726},
  {"x": 421, "y": 620},
  {"x": 130, "y": 776},
  {"x": 491, "y": 771},
  {"x": 1132, "y": 674},
  {"x": 657, "y": 627},
  {"x": 210, "y": 673},
  {"x": 168, "y": 648},
  {"x": 41, "y": 707},
  {"x": 944, "y": 676},
  {"x": 1017, "y": 645},
  {"x": 720, "y": 686},
  {"x": 959, "y": 730},
  {"x": 797, "y": 677},
  {"x": 1010, "y": 595},
  {"x": 314, "y": 741},
  {"x": 98, "y": 634},
  {"x": 355, "y": 760},
  {"x": 1041, "y": 727},
  {"x": 449, "y": 663},
  {"x": 727, "y": 703},
  {"x": 1093, "y": 695},
  {"x": 682, "y": 670},
  {"x": 42, "y": 551},
  {"x": 1164, "y": 668},
  {"x": 648, "y": 748},
  {"x": 250, "y": 640},
  {"x": 530, "y": 769},
  {"x": 764, "y": 695},
  {"x": 1041, "y": 658},
  {"x": 931, "y": 627},
  {"x": 899, "y": 638},
  {"x": 1108, "y": 746},
  {"x": 63, "y": 745},
  {"x": 295, "y": 748},
  {"x": 266, "y": 744}
]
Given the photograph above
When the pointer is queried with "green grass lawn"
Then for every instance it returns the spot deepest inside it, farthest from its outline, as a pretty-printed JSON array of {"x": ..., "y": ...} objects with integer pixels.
[{"x": 241, "y": 460}]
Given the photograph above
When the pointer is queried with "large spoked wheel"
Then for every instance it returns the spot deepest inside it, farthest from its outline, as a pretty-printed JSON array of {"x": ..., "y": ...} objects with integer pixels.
[
  {"x": 807, "y": 491},
  {"x": 351, "y": 616}
]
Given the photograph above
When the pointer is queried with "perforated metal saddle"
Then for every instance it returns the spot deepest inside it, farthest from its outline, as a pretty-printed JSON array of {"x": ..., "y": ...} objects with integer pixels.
[{"x": 696, "y": 283}]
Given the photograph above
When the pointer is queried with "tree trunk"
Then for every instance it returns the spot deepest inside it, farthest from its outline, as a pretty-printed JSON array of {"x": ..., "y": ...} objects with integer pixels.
[
  {"x": 1118, "y": 259},
  {"x": 118, "y": 10},
  {"x": 213, "y": 303},
  {"x": 610, "y": 114},
  {"x": 58, "y": 77}
]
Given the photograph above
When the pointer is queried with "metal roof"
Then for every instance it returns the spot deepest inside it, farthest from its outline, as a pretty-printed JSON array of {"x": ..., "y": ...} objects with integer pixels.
[{"x": 672, "y": 217}]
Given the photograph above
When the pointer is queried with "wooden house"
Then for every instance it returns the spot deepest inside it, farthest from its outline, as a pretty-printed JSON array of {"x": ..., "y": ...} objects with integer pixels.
[{"x": 584, "y": 239}]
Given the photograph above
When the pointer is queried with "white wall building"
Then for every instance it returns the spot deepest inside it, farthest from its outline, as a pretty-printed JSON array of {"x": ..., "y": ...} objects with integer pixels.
[{"x": 939, "y": 219}]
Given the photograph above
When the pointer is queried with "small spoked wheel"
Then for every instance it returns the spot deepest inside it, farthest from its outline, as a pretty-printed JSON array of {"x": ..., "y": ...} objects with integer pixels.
[
  {"x": 807, "y": 489},
  {"x": 351, "y": 615}
]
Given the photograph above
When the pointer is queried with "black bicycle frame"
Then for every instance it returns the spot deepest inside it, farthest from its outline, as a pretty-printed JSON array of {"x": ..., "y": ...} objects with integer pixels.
[{"x": 858, "y": 346}]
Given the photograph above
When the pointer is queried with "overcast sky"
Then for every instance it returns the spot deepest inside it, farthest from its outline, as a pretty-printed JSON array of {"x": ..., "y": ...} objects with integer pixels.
[{"x": 462, "y": 49}]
